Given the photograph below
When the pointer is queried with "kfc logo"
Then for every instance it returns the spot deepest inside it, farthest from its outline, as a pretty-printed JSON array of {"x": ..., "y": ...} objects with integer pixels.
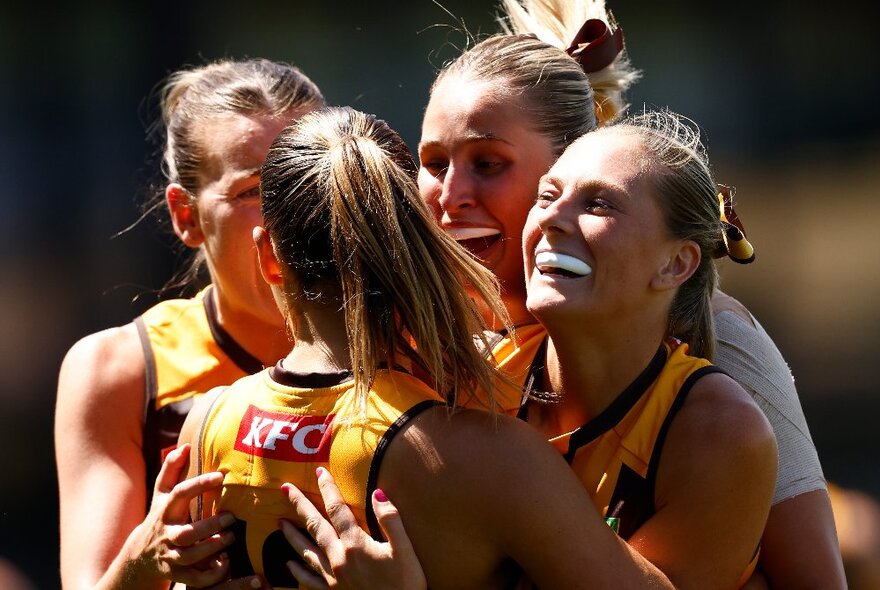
[{"x": 284, "y": 437}]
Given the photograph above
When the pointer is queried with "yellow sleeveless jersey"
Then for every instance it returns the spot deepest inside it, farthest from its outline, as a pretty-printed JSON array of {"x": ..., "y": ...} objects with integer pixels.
[
  {"x": 186, "y": 353},
  {"x": 278, "y": 426},
  {"x": 617, "y": 453},
  {"x": 513, "y": 353}
]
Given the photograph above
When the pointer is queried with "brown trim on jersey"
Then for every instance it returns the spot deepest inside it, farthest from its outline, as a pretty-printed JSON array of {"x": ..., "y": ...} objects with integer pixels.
[
  {"x": 611, "y": 415},
  {"x": 151, "y": 389},
  {"x": 151, "y": 447},
  {"x": 379, "y": 454},
  {"x": 238, "y": 355},
  {"x": 622, "y": 404},
  {"x": 677, "y": 403},
  {"x": 284, "y": 376}
]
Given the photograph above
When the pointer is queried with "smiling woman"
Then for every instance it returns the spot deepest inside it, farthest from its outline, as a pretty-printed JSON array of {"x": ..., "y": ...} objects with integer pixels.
[
  {"x": 617, "y": 247},
  {"x": 606, "y": 220}
]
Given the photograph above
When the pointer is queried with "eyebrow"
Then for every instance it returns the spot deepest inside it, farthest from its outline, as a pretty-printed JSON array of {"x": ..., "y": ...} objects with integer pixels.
[{"x": 469, "y": 138}]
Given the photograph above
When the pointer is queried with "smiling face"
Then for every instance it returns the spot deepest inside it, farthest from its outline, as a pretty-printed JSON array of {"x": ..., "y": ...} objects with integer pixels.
[
  {"x": 228, "y": 208},
  {"x": 595, "y": 243},
  {"x": 479, "y": 168}
]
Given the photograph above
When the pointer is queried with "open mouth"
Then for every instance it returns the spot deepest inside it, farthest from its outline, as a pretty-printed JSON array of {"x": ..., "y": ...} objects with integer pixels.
[
  {"x": 475, "y": 240},
  {"x": 554, "y": 263}
]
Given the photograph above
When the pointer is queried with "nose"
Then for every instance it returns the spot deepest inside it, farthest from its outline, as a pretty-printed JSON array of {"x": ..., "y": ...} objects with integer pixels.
[
  {"x": 457, "y": 189},
  {"x": 553, "y": 217}
]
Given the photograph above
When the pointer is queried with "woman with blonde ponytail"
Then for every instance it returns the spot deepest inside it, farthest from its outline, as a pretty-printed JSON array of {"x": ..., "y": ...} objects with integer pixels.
[{"x": 800, "y": 548}]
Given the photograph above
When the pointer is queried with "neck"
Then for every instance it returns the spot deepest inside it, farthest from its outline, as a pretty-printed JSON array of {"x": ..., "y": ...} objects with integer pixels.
[
  {"x": 320, "y": 339},
  {"x": 590, "y": 368},
  {"x": 267, "y": 341}
]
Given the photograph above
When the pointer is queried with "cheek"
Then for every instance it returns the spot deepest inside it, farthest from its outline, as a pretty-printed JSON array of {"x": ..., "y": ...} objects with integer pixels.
[
  {"x": 531, "y": 235},
  {"x": 429, "y": 190},
  {"x": 246, "y": 217}
]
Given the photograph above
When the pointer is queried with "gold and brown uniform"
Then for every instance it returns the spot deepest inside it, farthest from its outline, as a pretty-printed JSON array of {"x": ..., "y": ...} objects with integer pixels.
[
  {"x": 514, "y": 353},
  {"x": 617, "y": 453},
  {"x": 278, "y": 426},
  {"x": 186, "y": 353}
]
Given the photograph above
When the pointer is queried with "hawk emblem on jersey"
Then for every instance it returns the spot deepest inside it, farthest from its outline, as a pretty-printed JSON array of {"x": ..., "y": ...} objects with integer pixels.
[{"x": 284, "y": 437}]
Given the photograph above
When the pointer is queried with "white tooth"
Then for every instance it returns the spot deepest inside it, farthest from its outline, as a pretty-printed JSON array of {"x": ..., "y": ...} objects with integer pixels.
[
  {"x": 550, "y": 260},
  {"x": 469, "y": 233}
]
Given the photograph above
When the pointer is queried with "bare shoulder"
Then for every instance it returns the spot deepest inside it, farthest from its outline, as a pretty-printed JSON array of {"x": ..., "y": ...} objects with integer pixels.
[
  {"x": 103, "y": 375},
  {"x": 713, "y": 487},
  {"x": 720, "y": 427},
  {"x": 718, "y": 409},
  {"x": 470, "y": 441},
  {"x": 478, "y": 492},
  {"x": 473, "y": 467}
]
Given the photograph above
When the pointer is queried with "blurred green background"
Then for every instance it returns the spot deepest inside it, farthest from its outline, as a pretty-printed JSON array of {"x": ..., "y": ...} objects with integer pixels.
[{"x": 787, "y": 98}]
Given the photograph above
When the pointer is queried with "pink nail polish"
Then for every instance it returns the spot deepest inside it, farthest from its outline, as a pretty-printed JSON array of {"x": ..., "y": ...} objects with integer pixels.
[
  {"x": 380, "y": 495},
  {"x": 320, "y": 471}
]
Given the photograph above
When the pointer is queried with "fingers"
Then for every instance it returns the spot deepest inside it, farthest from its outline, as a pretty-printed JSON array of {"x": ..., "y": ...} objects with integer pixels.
[
  {"x": 338, "y": 512},
  {"x": 199, "y": 552},
  {"x": 409, "y": 571},
  {"x": 180, "y": 497},
  {"x": 191, "y": 534},
  {"x": 309, "y": 518},
  {"x": 195, "y": 577},
  {"x": 308, "y": 580},
  {"x": 390, "y": 522},
  {"x": 304, "y": 546},
  {"x": 172, "y": 469},
  {"x": 248, "y": 583}
]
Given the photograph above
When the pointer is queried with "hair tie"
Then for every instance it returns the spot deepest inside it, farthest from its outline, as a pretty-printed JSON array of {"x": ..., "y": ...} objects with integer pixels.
[
  {"x": 595, "y": 46},
  {"x": 734, "y": 244}
]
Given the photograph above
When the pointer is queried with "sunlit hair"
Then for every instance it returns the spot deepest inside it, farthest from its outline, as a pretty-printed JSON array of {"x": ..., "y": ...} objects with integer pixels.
[
  {"x": 193, "y": 98},
  {"x": 556, "y": 22},
  {"x": 687, "y": 193},
  {"x": 341, "y": 205},
  {"x": 550, "y": 86}
]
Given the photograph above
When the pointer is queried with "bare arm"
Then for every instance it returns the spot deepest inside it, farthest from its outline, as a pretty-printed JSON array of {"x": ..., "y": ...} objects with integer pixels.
[
  {"x": 108, "y": 540},
  {"x": 472, "y": 494},
  {"x": 808, "y": 519},
  {"x": 799, "y": 546},
  {"x": 714, "y": 487},
  {"x": 98, "y": 438}
]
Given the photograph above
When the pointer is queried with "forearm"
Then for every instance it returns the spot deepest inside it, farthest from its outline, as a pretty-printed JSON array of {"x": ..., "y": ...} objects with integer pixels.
[
  {"x": 799, "y": 545},
  {"x": 131, "y": 569}
]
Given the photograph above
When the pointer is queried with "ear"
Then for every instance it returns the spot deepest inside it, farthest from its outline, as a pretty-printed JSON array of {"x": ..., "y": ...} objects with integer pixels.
[
  {"x": 184, "y": 215},
  {"x": 270, "y": 268},
  {"x": 683, "y": 261}
]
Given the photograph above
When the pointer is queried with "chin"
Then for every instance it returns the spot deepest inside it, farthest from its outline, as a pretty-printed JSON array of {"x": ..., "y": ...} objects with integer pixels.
[{"x": 548, "y": 306}]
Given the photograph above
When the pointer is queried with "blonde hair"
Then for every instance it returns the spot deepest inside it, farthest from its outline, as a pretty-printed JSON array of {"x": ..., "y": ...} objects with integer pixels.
[
  {"x": 556, "y": 22},
  {"x": 551, "y": 86},
  {"x": 341, "y": 204},
  {"x": 251, "y": 87},
  {"x": 189, "y": 98},
  {"x": 688, "y": 196}
]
